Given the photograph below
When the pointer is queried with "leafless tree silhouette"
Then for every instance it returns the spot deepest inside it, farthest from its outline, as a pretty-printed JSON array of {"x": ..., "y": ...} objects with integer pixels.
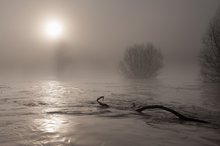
[
  {"x": 141, "y": 61},
  {"x": 210, "y": 54}
]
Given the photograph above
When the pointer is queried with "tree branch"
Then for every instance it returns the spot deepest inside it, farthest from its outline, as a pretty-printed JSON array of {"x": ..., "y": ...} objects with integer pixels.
[
  {"x": 180, "y": 116},
  {"x": 100, "y": 103}
]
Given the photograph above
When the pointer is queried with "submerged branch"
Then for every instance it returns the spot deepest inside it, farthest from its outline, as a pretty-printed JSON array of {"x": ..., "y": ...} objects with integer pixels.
[
  {"x": 180, "y": 116},
  {"x": 177, "y": 114}
]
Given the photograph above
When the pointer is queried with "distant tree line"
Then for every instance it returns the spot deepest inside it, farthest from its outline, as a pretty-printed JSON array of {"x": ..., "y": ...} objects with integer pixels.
[{"x": 141, "y": 61}]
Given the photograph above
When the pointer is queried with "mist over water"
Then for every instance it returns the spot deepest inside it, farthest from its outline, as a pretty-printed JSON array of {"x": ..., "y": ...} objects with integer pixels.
[
  {"x": 100, "y": 29},
  {"x": 57, "y": 57}
]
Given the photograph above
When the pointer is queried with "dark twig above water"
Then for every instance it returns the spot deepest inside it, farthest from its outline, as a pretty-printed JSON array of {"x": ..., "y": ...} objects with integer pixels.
[{"x": 102, "y": 104}]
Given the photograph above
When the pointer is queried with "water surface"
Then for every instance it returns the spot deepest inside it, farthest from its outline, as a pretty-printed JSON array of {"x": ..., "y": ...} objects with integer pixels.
[{"x": 54, "y": 112}]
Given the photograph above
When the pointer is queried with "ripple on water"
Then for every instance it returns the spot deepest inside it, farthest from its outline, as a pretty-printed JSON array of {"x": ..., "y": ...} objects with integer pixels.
[{"x": 57, "y": 113}]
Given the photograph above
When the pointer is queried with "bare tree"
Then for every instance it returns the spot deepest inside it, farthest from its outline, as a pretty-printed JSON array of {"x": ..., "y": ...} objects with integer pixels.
[
  {"x": 141, "y": 61},
  {"x": 210, "y": 54}
]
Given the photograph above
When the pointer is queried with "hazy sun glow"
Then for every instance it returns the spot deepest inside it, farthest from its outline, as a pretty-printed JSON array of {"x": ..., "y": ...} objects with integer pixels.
[{"x": 54, "y": 29}]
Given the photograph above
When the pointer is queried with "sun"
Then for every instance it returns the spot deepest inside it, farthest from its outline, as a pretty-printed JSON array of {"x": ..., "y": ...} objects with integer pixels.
[{"x": 53, "y": 29}]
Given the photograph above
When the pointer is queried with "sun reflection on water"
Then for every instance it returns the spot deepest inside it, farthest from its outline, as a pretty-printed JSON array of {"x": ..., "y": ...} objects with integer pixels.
[
  {"x": 54, "y": 130},
  {"x": 51, "y": 124},
  {"x": 52, "y": 92},
  {"x": 52, "y": 95},
  {"x": 57, "y": 97},
  {"x": 53, "y": 89}
]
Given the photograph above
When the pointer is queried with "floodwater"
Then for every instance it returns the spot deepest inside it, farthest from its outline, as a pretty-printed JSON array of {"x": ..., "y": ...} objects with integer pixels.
[{"x": 59, "y": 113}]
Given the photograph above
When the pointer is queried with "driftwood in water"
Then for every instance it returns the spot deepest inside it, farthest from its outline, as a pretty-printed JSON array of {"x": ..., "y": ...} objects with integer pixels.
[
  {"x": 180, "y": 116},
  {"x": 100, "y": 103},
  {"x": 177, "y": 114}
]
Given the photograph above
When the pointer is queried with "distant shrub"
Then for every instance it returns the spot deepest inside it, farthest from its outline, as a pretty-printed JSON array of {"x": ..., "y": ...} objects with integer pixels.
[
  {"x": 210, "y": 54},
  {"x": 141, "y": 61}
]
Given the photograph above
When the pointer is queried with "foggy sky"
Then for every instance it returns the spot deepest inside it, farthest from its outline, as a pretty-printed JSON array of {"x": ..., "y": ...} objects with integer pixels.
[{"x": 176, "y": 26}]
